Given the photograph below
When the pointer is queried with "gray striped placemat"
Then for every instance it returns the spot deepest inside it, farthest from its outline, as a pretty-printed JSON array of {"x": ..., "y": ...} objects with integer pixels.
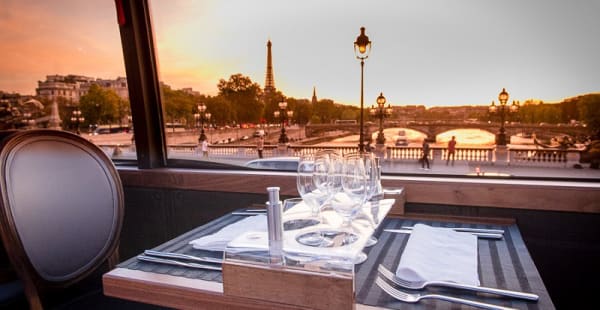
[{"x": 503, "y": 263}]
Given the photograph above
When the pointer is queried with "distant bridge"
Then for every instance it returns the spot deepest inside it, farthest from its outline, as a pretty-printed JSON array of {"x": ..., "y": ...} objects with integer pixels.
[{"x": 433, "y": 128}]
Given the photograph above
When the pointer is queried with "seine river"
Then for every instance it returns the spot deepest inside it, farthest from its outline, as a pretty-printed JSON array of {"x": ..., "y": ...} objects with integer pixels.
[{"x": 464, "y": 137}]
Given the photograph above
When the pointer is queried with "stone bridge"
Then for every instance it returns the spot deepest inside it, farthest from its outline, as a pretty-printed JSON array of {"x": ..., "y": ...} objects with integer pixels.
[{"x": 433, "y": 128}]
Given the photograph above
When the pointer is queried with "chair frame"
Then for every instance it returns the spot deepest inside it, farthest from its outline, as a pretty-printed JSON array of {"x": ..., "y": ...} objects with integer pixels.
[{"x": 35, "y": 286}]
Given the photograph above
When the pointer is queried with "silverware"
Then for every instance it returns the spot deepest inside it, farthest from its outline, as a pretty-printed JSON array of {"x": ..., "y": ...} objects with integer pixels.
[
  {"x": 246, "y": 213},
  {"x": 176, "y": 262},
  {"x": 413, "y": 298},
  {"x": 171, "y": 255},
  {"x": 256, "y": 210},
  {"x": 479, "y": 235},
  {"x": 417, "y": 285},
  {"x": 468, "y": 229}
]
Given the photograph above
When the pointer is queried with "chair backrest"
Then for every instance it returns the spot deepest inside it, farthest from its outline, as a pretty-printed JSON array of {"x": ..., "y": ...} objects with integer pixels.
[{"x": 61, "y": 210}]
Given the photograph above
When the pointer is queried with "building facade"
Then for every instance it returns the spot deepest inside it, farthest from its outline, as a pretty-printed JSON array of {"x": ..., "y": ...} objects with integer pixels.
[{"x": 73, "y": 87}]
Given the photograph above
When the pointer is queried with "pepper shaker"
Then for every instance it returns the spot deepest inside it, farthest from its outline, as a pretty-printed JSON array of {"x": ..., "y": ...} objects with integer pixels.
[{"x": 275, "y": 225}]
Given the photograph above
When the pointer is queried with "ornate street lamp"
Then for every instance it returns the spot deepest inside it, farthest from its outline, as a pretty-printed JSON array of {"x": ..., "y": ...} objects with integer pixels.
[
  {"x": 362, "y": 48},
  {"x": 77, "y": 118},
  {"x": 202, "y": 115},
  {"x": 207, "y": 117},
  {"x": 283, "y": 116},
  {"x": 502, "y": 110},
  {"x": 381, "y": 112}
]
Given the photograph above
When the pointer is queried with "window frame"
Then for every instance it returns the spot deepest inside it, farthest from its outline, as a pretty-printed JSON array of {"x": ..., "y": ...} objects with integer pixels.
[
  {"x": 140, "y": 58},
  {"x": 139, "y": 55}
]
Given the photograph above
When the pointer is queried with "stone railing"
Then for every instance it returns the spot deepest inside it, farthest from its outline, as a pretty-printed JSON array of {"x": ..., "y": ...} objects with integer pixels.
[
  {"x": 479, "y": 155},
  {"x": 543, "y": 157}
]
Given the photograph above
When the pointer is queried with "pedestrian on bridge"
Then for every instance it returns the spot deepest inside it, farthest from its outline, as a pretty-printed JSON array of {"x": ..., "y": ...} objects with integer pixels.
[
  {"x": 260, "y": 145},
  {"x": 204, "y": 148},
  {"x": 425, "y": 158},
  {"x": 451, "y": 150}
]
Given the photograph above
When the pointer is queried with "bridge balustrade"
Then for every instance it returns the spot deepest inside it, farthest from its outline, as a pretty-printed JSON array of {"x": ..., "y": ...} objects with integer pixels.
[
  {"x": 482, "y": 155},
  {"x": 395, "y": 153},
  {"x": 298, "y": 150},
  {"x": 471, "y": 154},
  {"x": 539, "y": 158}
]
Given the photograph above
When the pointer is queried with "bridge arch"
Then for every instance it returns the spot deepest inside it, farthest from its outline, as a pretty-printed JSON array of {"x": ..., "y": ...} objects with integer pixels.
[{"x": 433, "y": 128}]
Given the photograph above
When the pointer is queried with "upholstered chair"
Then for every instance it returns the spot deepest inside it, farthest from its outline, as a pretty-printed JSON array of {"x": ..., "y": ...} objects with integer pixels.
[{"x": 60, "y": 214}]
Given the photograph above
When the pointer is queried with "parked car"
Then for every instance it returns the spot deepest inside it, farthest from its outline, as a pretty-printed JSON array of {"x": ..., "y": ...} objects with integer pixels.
[{"x": 274, "y": 163}]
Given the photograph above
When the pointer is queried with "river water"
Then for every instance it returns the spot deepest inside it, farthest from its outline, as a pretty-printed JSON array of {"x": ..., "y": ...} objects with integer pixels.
[{"x": 464, "y": 137}]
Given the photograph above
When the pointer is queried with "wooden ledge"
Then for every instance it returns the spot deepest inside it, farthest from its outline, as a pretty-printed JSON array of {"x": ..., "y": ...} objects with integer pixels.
[{"x": 515, "y": 194}]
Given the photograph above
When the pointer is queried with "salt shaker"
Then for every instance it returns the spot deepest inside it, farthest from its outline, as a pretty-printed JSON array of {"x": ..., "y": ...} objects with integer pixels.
[{"x": 275, "y": 225}]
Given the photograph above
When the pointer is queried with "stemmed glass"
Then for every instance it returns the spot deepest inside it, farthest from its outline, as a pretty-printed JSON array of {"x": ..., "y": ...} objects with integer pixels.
[
  {"x": 311, "y": 181},
  {"x": 315, "y": 185},
  {"x": 355, "y": 191},
  {"x": 328, "y": 178},
  {"x": 374, "y": 187}
]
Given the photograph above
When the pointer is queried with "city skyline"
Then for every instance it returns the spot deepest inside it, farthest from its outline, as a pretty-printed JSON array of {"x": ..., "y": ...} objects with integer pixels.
[{"x": 428, "y": 53}]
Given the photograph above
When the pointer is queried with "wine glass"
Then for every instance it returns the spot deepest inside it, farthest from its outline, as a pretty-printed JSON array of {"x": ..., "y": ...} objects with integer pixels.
[
  {"x": 312, "y": 174},
  {"x": 355, "y": 191},
  {"x": 335, "y": 161},
  {"x": 314, "y": 187},
  {"x": 319, "y": 178},
  {"x": 373, "y": 189}
]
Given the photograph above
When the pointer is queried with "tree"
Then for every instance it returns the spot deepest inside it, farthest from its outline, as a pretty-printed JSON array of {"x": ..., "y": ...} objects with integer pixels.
[
  {"x": 100, "y": 105},
  {"x": 271, "y": 104},
  {"x": 221, "y": 110},
  {"x": 302, "y": 110},
  {"x": 589, "y": 111},
  {"x": 179, "y": 106},
  {"x": 325, "y": 110},
  {"x": 245, "y": 97}
]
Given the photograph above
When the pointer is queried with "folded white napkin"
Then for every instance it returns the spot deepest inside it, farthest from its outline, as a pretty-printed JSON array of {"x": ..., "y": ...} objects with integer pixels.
[
  {"x": 250, "y": 240},
  {"x": 439, "y": 254},
  {"x": 219, "y": 240}
]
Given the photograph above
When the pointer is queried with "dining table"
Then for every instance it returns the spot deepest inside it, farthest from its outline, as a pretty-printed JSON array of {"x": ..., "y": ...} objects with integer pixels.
[{"x": 503, "y": 263}]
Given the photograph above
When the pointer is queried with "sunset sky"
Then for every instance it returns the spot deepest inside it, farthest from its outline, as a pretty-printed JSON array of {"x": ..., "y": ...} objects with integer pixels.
[{"x": 430, "y": 52}]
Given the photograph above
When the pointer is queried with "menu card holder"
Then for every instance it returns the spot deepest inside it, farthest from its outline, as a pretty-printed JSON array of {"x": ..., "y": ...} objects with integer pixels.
[
  {"x": 289, "y": 285},
  {"x": 300, "y": 275}
]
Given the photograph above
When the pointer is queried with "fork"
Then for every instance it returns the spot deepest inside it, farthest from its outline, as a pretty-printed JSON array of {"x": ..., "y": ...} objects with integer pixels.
[
  {"x": 413, "y": 298},
  {"x": 417, "y": 285}
]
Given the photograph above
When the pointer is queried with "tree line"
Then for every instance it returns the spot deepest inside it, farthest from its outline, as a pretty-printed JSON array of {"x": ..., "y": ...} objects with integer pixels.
[{"x": 240, "y": 100}]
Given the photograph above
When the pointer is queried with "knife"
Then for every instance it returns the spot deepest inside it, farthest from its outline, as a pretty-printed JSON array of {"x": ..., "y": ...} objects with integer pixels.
[
  {"x": 247, "y": 213},
  {"x": 171, "y": 255},
  {"x": 478, "y": 234},
  {"x": 256, "y": 210},
  {"x": 176, "y": 263},
  {"x": 468, "y": 229}
]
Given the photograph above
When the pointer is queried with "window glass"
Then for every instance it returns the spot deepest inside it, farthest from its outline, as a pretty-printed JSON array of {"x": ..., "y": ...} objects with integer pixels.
[
  {"x": 487, "y": 89},
  {"x": 62, "y": 68}
]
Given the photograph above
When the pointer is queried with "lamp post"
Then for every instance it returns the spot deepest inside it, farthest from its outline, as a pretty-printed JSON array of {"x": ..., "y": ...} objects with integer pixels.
[
  {"x": 202, "y": 115},
  {"x": 381, "y": 112},
  {"x": 502, "y": 110},
  {"x": 77, "y": 118},
  {"x": 283, "y": 115},
  {"x": 207, "y": 116},
  {"x": 362, "y": 48}
]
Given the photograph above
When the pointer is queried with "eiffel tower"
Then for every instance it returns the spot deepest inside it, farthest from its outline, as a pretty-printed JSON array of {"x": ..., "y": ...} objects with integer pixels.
[{"x": 269, "y": 79}]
